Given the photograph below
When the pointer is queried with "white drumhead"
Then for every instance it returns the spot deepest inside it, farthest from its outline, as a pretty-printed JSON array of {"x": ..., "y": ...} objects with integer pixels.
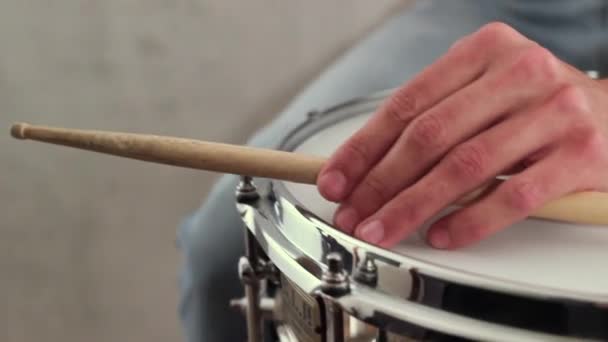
[{"x": 533, "y": 252}]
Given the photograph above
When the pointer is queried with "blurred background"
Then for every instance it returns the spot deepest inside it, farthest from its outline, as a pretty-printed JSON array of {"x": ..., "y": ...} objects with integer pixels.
[{"x": 87, "y": 242}]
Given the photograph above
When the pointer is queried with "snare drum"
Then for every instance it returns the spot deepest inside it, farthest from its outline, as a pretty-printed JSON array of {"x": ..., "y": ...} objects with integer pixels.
[{"x": 535, "y": 281}]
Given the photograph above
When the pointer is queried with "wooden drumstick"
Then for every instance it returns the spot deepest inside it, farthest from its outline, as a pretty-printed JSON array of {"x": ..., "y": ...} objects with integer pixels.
[
  {"x": 582, "y": 207},
  {"x": 202, "y": 155}
]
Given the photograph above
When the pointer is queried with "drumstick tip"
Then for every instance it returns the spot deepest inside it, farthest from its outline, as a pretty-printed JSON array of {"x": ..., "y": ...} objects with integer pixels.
[{"x": 18, "y": 130}]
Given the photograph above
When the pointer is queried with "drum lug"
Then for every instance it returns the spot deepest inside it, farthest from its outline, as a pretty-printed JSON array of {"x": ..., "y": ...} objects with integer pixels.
[
  {"x": 367, "y": 272},
  {"x": 264, "y": 270},
  {"x": 249, "y": 276},
  {"x": 246, "y": 190},
  {"x": 335, "y": 280},
  {"x": 334, "y": 283}
]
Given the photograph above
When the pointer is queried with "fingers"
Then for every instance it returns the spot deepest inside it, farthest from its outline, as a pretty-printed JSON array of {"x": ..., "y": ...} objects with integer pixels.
[
  {"x": 430, "y": 135},
  {"x": 462, "y": 170},
  {"x": 463, "y": 63},
  {"x": 354, "y": 158},
  {"x": 570, "y": 165},
  {"x": 512, "y": 201}
]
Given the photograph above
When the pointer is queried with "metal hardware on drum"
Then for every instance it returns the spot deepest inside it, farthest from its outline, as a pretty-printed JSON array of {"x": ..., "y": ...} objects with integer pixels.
[
  {"x": 335, "y": 280},
  {"x": 335, "y": 283},
  {"x": 252, "y": 293},
  {"x": 367, "y": 272},
  {"x": 314, "y": 307},
  {"x": 249, "y": 269},
  {"x": 334, "y": 317},
  {"x": 246, "y": 190}
]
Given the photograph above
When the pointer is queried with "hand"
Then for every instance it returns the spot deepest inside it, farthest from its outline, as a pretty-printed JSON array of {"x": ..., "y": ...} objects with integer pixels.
[{"x": 495, "y": 103}]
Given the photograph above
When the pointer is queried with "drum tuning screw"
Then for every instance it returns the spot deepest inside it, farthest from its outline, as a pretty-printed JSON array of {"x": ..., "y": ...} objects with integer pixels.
[
  {"x": 246, "y": 190},
  {"x": 335, "y": 280},
  {"x": 367, "y": 272}
]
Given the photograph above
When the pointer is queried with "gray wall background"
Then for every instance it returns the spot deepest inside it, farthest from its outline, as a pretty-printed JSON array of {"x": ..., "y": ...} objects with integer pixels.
[{"x": 87, "y": 247}]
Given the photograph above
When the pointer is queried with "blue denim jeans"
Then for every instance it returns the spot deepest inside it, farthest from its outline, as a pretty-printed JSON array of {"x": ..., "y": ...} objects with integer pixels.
[{"x": 212, "y": 238}]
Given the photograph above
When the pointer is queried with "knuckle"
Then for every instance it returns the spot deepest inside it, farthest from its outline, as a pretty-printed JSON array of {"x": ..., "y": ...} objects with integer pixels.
[
  {"x": 571, "y": 100},
  {"x": 428, "y": 130},
  {"x": 401, "y": 106},
  {"x": 495, "y": 33},
  {"x": 377, "y": 186},
  {"x": 468, "y": 161},
  {"x": 537, "y": 64},
  {"x": 466, "y": 51},
  {"x": 523, "y": 195}
]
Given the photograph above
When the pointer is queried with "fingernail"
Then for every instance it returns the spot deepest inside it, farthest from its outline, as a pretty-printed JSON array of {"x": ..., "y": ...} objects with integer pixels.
[
  {"x": 440, "y": 238},
  {"x": 333, "y": 184},
  {"x": 372, "y": 232},
  {"x": 346, "y": 219}
]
